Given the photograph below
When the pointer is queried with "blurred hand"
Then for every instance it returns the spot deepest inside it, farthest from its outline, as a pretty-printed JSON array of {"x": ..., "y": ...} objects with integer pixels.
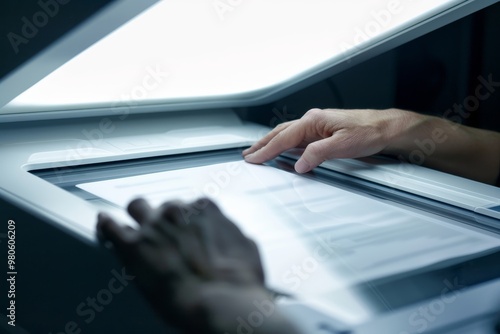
[
  {"x": 194, "y": 266},
  {"x": 329, "y": 134}
]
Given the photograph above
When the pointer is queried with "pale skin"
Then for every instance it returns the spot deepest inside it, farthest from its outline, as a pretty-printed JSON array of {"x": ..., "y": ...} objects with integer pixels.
[
  {"x": 332, "y": 134},
  {"x": 197, "y": 269}
]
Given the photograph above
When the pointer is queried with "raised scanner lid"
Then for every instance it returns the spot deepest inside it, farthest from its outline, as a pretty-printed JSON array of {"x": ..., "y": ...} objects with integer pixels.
[{"x": 219, "y": 53}]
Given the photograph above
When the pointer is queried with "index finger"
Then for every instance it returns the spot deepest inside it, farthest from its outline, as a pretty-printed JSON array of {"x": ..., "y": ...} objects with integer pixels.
[
  {"x": 264, "y": 140},
  {"x": 286, "y": 139},
  {"x": 109, "y": 230}
]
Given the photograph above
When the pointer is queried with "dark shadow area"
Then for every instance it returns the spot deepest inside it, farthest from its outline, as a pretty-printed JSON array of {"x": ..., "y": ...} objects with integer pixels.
[{"x": 63, "y": 284}]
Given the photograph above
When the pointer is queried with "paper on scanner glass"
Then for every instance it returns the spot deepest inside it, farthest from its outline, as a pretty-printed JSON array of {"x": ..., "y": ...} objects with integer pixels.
[{"x": 336, "y": 237}]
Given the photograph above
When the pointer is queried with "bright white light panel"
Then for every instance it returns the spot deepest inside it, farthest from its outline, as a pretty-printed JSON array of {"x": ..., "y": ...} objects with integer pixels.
[{"x": 182, "y": 49}]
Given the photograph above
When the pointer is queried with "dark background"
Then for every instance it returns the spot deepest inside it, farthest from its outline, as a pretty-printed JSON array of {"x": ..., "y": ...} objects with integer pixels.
[
  {"x": 428, "y": 75},
  {"x": 57, "y": 272},
  {"x": 11, "y": 21}
]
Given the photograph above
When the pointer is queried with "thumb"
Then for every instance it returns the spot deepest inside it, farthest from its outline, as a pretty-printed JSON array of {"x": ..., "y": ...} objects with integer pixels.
[{"x": 315, "y": 154}]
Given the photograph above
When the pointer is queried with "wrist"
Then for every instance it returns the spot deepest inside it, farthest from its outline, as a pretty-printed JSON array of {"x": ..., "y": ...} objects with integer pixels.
[
  {"x": 232, "y": 308},
  {"x": 402, "y": 127},
  {"x": 229, "y": 307}
]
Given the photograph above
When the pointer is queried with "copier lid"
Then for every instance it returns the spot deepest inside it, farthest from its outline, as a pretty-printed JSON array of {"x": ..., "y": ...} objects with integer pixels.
[
  {"x": 39, "y": 36},
  {"x": 188, "y": 54}
]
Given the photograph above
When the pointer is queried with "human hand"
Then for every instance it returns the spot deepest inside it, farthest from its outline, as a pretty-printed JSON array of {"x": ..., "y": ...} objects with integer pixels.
[
  {"x": 331, "y": 133},
  {"x": 194, "y": 266}
]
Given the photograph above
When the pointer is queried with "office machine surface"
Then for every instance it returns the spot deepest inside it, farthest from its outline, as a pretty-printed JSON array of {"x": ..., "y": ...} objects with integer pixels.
[{"x": 158, "y": 107}]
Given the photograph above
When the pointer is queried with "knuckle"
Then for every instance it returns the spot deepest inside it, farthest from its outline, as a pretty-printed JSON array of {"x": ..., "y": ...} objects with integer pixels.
[
  {"x": 313, "y": 113},
  {"x": 202, "y": 203},
  {"x": 281, "y": 126}
]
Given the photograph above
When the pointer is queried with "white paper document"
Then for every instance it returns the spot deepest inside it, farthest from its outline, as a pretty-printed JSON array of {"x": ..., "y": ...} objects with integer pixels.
[{"x": 313, "y": 237}]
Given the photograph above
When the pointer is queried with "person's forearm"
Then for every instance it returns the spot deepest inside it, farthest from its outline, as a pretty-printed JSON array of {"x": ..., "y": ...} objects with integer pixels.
[{"x": 446, "y": 146}]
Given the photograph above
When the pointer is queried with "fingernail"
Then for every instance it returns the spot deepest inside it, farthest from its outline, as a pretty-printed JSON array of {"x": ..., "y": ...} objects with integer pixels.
[
  {"x": 302, "y": 166},
  {"x": 249, "y": 157}
]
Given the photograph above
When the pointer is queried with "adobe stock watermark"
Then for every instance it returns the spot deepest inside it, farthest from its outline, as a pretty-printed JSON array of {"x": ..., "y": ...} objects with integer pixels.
[
  {"x": 31, "y": 25},
  {"x": 281, "y": 116},
  {"x": 424, "y": 316},
  {"x": 152, "y": 80},
  {"x": 88, "y": 309},
  {"x": 219, "y": 180},
  {"x": 380, "y": 19},
  {"x": 225, "y": 7},
  {"x": 483, "y": 91},
  {"x": 457, "y": 114},
  {"x": 298, "y": 273}
]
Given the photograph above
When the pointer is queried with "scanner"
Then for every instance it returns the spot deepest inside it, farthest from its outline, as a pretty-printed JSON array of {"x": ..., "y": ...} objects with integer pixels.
[{"x": 138, "y": 93}]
